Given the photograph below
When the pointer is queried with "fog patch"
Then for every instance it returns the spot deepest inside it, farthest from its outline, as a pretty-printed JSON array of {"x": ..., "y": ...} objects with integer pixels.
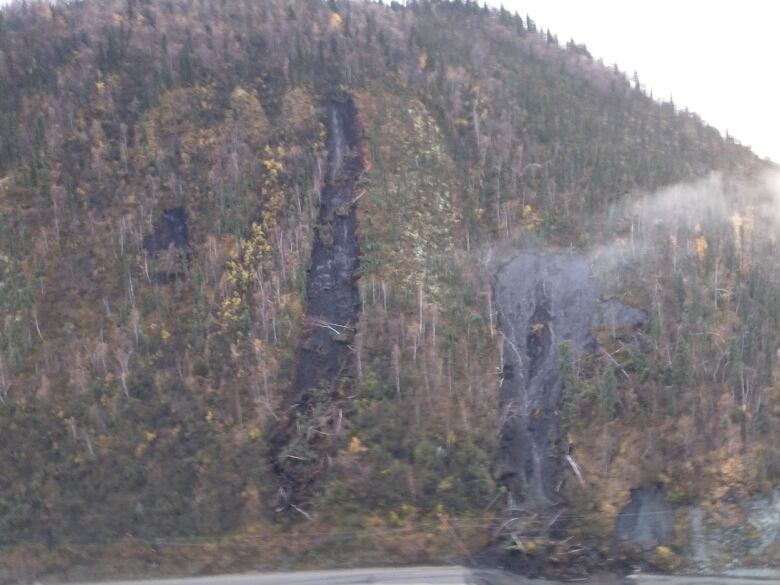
[{"x": 675, "y": 221}]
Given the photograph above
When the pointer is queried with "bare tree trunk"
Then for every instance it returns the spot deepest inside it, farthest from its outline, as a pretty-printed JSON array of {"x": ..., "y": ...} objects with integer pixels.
[
  {"x": 475, "y": 119},
  {"x": 5, "y": 381},
  {"x": 490, "y": 313},
  {"x": 239, "y": 410},
  {"x": 359, "y": 340},
  {"x": 123, "y": 358},
  {"x": 396, "y": 362}
]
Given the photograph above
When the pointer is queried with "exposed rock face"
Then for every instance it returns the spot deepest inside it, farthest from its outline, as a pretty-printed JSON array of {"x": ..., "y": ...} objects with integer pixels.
[
  {"x": 752, "y": 531},
  {"x": 647, "y": 520},
  {"x": 542, "y": 300},
  {"x": 332, "y": 296},
  {"x": 546, "y": 299},
  {"x": 325, "y": 355},
  {"x": 764, "y": 517}
]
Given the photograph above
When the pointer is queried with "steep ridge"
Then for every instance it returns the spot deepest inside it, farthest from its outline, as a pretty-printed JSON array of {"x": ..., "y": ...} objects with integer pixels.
[{"x": 170, "y": 170}]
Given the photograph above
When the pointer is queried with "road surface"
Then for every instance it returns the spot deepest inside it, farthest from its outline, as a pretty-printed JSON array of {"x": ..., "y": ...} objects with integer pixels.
[
  {"x": 758, "y": 578},
  {"x": 438, "y": 576},
  {"x": 399, "y": 576}
]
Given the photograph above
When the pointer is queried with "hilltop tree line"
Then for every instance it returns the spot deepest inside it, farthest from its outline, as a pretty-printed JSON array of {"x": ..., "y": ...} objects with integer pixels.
[{"x": 139, "y": 387}]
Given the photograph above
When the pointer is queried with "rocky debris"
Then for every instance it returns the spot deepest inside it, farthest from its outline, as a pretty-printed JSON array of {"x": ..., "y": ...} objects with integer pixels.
[
  {"x": 542, "y": 301},
  {"x": 332, "y": 296},
  {"x": 617, "y": 315},
  {"x": 716, "y": 545},
  {"x": 325, "y": 354},
  {"x": 647, "y": 520},
  {"x": 764, "y": 517}
]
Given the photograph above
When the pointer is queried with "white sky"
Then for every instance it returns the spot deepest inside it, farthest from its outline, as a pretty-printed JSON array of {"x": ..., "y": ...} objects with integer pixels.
[{"x": 717, "y": 58}]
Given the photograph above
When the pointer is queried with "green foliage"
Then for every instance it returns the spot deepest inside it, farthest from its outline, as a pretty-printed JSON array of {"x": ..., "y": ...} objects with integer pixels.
[{"x": 140, "y": 404}]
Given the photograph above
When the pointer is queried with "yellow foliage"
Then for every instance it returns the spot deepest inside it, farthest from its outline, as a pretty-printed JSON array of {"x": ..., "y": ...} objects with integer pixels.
[
  {"x": 273, "y": 167},
  {"x": 393, "y": 517},
  {"x": 254, "y": 432},
  {"x": 150, "y": 436},
  {"x": 356, "y": 446},
  {"x": 736, "y": 223},
  {"x": 257, "y": 345},
  {"x": 531, "y": 217},
  {"x": 422, "y": 60},
  {"x": 701, "y": 247},
  {"x": 665, "y": 559},
  {"x": 335, "y": 20},
  {"x": 743, "y": 231},
  {"x": 292, "y": 303},
  {"x": 247, "y": 257},
  {"x": 231, "y": 309},
  {"x": 405, "y": 514},
  {"x": 445, "y": 484},
  {"x": 165, "y": 335}
]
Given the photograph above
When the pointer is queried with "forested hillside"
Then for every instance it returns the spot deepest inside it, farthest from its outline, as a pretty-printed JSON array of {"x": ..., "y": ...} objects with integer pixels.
[{"x": 167, "y": 168}]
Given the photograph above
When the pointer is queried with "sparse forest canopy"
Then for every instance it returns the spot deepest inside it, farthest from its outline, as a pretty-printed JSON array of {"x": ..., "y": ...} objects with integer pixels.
[{"x": 161, "y": 171}]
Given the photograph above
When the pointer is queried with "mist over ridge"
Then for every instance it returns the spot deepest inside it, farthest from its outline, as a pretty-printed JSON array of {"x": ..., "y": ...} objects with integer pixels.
[{"x": 251, "y": 309}]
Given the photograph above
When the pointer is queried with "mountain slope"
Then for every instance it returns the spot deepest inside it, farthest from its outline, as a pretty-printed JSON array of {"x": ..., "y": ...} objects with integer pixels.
[{"x": 164, "y": 178}]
